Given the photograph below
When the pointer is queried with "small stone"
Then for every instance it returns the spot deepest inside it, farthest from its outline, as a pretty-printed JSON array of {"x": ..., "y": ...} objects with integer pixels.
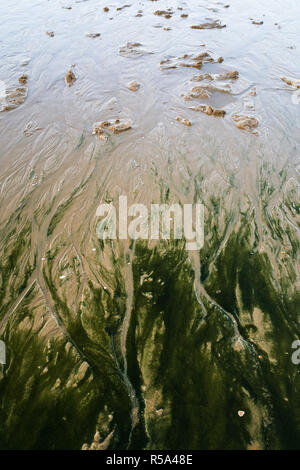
[
  {"x": 211, "y": 25},
  {"x": 241, "y": 413},
  {"x": 290, "y": 82},
  {"x": 23, "y": 79},
  {"x": 133, "y": 86},
  {"x": 186, "y": 122},
  {"x": 229, "y": 75},
  {"x": 247, "y": 123},
  {"x": 70, "y": 78},
  {"x": 219, "y": 112},
  {"x": 115, "y": 126},
  {"x": 93, "y": 35}
]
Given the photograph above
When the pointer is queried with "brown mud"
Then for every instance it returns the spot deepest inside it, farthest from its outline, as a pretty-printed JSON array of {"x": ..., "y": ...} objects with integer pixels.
[
  {"x": 216, "y": 24},
  {"x": 70, "y": 78},
  {"x": 247, "y": 123},
  {"x": 133, "y": 86}
]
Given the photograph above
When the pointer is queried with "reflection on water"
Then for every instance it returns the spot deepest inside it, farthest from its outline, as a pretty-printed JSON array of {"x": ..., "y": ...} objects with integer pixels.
[{"x": 123, "y": 345}]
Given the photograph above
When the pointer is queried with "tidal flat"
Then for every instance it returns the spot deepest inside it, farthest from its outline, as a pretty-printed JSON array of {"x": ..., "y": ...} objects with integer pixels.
[{"x": 142, "y": 344}]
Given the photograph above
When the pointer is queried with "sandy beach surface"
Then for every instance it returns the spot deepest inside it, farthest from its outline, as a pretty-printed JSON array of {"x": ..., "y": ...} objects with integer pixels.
[{"x": 142, "y": 344}]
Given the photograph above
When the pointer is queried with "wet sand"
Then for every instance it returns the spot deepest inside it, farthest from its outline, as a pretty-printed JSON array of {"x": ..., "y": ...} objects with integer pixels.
[{"x": 162, "y": 107}]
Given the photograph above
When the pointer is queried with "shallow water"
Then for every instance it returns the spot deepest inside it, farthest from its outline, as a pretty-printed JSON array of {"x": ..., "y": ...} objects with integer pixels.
[{"x": 139, "y": 340}]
